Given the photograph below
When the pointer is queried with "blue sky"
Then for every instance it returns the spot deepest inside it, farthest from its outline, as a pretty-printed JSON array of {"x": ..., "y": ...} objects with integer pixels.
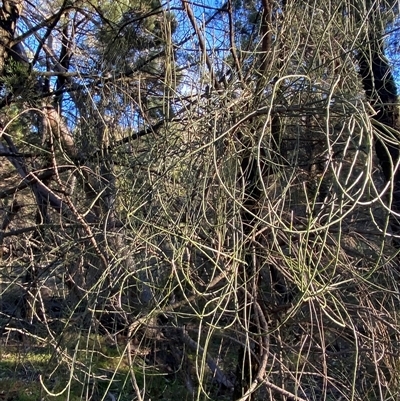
[{"x": 393, "y": 51}]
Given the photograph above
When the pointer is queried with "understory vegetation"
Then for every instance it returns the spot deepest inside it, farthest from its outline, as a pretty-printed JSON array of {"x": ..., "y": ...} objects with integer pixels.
[{"x": 199, "y": 200}]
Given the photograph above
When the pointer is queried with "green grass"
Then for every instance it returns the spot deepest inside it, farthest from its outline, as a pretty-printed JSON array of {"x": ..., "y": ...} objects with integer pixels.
[{"x": 21, "y": 366}]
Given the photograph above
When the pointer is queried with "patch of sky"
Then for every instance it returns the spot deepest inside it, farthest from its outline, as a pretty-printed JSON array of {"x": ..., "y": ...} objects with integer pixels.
[
  {"x": 392, "y": 50},
  {"x": 212, "y": 24}
]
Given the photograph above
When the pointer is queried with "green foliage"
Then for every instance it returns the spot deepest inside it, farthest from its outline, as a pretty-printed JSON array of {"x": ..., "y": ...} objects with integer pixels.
[
  {"x": 138, "y": 27},
  {"x": 19, "y": 81}
]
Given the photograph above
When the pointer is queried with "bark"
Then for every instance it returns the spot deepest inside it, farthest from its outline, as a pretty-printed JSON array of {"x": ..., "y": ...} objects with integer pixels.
[
  {"x": 381, "y": 92},
  {"x": 55, "y": 126},
  {"x": 266, "y": 30},
  {"x": 64, "y": 60},
  {"x": 9, "y": 14}
]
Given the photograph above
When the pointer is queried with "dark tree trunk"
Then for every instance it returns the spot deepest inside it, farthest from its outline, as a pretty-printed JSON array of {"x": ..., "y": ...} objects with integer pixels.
[
  {"x": 381, "y": 92},
  {"x": 253, "y": 171},
  {"x": 9, "y": 14},
  {"x": 246, "y": 369}
]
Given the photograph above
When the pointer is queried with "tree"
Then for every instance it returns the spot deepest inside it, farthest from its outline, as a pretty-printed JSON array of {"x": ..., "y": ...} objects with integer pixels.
[{"x": 207, "y": 192}]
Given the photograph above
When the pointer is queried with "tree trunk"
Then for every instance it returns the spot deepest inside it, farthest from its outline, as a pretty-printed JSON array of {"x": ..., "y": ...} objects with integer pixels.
[
  {"x": 253, "y": 171},
  {"x": 381, "y": 92},
  {"x": 9, "y": 14}
]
